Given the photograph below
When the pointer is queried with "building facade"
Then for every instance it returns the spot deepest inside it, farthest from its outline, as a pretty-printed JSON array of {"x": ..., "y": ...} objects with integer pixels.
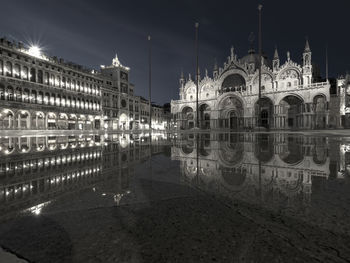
[
  {"x": 291, "y": 95},
  {"x": 40, "y": 92}
]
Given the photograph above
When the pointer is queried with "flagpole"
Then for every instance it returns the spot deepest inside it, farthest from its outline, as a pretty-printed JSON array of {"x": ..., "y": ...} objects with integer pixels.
[
  {"x": 150, "y": 81},
  {"x": 197, "y": 75},
  {"x": 260, "y": 62}
]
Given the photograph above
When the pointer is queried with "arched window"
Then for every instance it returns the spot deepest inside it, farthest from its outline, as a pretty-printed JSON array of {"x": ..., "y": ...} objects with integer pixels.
[
  {"x": 52, "y": 99},
  {"x": 58, "y": 81},
  {"x": 26, "y": 95},
  {"x": 40, "y": 97},
  {"x": 63, "y": 82},
  {"x": 10, "y": 95},
  {"x": 19, "y": 94},
  {"x": 33, "y": 97},
  {"x": 58, "y": 100},
  {"x": 2, "y": 92},
  {"x": 25, "y": 73},
  {"x": 17, "y": 71},
  {"x": 47, "y": 98},
  {"x": 32, "y": 75},
  {"x": 40, "y": 76},
  {"x": 8, "y": 69},
  {"x": 47, "y": 78}
]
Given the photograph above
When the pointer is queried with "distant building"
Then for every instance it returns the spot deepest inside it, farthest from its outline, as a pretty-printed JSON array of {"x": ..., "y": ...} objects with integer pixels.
[
  {"x": 40, "y": 92},
  {"x": 291, "y": 96}
]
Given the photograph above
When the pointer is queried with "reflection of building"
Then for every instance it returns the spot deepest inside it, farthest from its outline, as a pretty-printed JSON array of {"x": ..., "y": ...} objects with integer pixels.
[
  {"x": 39, "y": 92},
  {"x": 36, "y": 171},
  {"x": 291, "y": 99},
  {"x": 266, "y": 167}
]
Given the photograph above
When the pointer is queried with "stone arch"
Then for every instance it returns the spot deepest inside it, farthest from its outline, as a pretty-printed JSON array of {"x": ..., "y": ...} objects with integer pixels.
[
  {"x": 266, "y": 112},
  {"x": 291, "y": 109},
  {"x": 51, "y": 120},
  {"x": 289, "y": 75},
  {"x": 187, "y": 118},
  {"x": 7, "y": 119},
  {"x": 232, "y": 83},
  {"x": 62, "y": 121},
  {"x": 231, "y": 112},
  {"x": 23, "y": 119},
  {"x": 204, "y": 116},
  {"x": 39, "y": 120}
]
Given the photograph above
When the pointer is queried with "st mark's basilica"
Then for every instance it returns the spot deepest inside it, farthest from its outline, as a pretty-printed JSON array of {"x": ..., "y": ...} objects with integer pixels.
[{"x": 292, "y": 97}]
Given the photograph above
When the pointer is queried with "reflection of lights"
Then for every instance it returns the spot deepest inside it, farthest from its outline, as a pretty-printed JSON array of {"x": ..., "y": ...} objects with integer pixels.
[{"x": 103, "y": 194}]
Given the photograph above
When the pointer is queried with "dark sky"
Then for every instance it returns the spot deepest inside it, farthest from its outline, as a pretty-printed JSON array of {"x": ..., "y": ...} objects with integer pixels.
[{"x": 91, "y": 32}]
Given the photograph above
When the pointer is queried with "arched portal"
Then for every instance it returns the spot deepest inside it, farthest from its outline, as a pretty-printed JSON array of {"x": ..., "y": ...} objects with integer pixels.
[
  {"x": 204, "y": 116},
  {"x": 187, "y": 118},
  {"x": 231, "y": 113},
  {"x": 291, "y": 110},
  {"x": 62, "y": 122},
  {"x": 23, "y": 119},
  {"x": 51, "y": 121},
  {"x": 38, "y": 120},
  {"x": 6, "y": 119},
  {"x": 266, "y": 112}
]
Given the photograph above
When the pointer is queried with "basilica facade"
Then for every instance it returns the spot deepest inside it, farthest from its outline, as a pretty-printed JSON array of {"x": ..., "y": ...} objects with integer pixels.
[{"x": 291, "y": 95}]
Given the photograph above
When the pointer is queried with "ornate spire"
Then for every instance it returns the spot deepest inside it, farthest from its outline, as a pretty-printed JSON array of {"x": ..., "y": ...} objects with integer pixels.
[
  {"x": 116, "y": 61},
  {"x": 307, "y": 46},
  {"x": 275, "y": 55},
  {"x": 182, "y": 74},
  {"x": 215, "y": 65}
]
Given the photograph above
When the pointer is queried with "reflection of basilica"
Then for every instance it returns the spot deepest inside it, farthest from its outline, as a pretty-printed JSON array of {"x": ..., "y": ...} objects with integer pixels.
[
  {"x": 34, "y": 171},
  {"x": 272, "y": 168}
]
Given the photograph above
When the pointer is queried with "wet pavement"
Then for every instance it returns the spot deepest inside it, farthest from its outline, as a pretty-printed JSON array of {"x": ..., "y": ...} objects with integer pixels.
[{"x": 250, "y": 197}]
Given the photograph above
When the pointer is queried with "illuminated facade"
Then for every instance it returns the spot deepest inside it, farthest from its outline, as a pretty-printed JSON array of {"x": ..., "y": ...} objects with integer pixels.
[
  {"x": 292, "y": 97},
  {"x": 40, "y": 92}
]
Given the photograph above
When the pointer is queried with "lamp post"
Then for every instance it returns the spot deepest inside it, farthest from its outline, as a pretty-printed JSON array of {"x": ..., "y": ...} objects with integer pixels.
[
  {"x": 260, "y": 62},
  {"x": 197, "y": 75}
]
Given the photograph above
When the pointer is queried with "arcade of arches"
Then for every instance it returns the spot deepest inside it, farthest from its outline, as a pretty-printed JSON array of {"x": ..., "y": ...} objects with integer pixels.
[
  {"x": 38, "y": 120},
  {"x": 292, "y": 112}
]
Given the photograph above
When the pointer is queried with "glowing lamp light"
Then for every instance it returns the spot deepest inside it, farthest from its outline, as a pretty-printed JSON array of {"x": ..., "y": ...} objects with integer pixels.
[{"x": 34, "y": 51}]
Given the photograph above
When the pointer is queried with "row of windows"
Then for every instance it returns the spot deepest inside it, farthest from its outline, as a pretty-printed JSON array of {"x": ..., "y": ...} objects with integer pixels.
[
  {"x": 34, "y": 97},
  {"x": 38, "y": 76},
  {"x": 58, "y": 69}
]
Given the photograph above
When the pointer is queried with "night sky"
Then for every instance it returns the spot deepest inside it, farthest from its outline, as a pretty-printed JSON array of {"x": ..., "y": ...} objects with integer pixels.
[{"x": 90, "y": 33}]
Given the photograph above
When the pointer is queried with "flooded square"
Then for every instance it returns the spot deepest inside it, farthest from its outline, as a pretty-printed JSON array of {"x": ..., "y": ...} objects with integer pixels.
[{"x": 191, "y": 197}]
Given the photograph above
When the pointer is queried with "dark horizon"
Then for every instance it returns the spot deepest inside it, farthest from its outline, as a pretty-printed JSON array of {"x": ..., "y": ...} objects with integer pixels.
[{"x": 91, "y": 33}]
